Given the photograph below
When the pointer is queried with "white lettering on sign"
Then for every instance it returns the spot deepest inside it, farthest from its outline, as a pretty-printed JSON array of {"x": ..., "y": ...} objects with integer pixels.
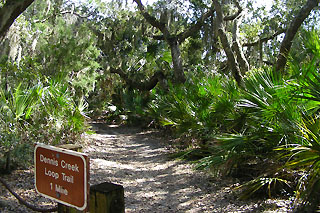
[
  {"x": 68, "y": 166},
  {"x": 61, "y": 190},
  {"x": 51, "y": 161},
  {"x": 55, "y": 175},
  {"x": 64, "y": 165},
  {"x": 67, "y": 178}
]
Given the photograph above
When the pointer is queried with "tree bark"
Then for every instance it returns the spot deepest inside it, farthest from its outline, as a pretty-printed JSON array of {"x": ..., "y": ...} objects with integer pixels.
[
  {"x": 142, "y": 86},
  {"x": 244, "y": 65},
  {"x": 225, "y": 43},
  {"x": 174, "y": 40},
  {"x": 291, "y": 32},
  {"x": 171, "y": 40},
  {"x": 261, "y": 52},
  {"x": 177, "y": 61},
  {"x": 10, "y": 11},
  {"x": 265, "y": 39}
]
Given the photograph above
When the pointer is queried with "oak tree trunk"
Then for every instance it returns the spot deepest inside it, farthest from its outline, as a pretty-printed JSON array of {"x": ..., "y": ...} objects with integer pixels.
[
  {"x": 225, "y": 44},
  {"x": 291, "y": 32},
  {"x": 177, "y": 61},
  {"x": 244, "y": 65},
  {"x": 10, "y": 11}
]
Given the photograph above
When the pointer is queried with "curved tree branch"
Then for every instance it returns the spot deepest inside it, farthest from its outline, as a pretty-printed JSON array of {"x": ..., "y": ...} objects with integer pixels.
[
  {"x": 291, "y": 32},
  {"x": 10, "y": 11},
  {"x": 191, "y": 30},
  {"x": 143, "y": 86},
  {"x": 195, "y": 27},
  {"x": 262, "y": 40},
  {"x": 244, "y": 65},
  {"x": 174, "y": 40},
  {"x": 152, "y": 20},
  {"x": 171, "y": 40},
  {"x": 22, "y": 201}
]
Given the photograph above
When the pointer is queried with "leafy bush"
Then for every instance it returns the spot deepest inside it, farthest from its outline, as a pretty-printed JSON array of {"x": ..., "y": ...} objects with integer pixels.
[
  {"x": 45, "y": 114},
  {"x": 291, "y": 112},
  {"x": 304, "y": 156},
  {"x": 199, "y": 108}
]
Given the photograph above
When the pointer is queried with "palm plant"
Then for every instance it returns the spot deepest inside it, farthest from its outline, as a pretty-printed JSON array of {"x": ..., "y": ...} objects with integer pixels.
[
  {"x": 44, "y": 114},
  {"x": 197, "y": 108},
  {"x": 300, "y": 126},
  {"x": 267, "y": 115},
  {"x": 268, "y": 185},
  {"x": 15, "y": 108},
  {"x": 60, "y": 119},
  {"x": 304, "y": 156}
]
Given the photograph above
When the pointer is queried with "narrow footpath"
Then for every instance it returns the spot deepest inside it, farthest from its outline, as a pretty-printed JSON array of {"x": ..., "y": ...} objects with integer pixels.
[{"x": 139, "y": 161}]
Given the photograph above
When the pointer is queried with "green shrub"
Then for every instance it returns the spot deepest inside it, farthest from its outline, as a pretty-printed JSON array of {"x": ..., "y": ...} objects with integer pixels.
[
  {"x": 45, "y": 114},
  {"x": 199, "y": 108}
]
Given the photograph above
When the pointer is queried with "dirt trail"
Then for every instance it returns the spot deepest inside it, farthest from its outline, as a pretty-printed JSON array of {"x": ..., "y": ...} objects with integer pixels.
[
  {"x": 152, "y": 182},
  {"x": 138, "y": 160}
]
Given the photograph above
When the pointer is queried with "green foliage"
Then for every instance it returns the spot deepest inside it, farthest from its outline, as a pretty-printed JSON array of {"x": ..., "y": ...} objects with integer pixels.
[
  {"x": 241, "y": 126},
  {"x": 242, "y": 132},
  {"x": 301, "y": 150},
  {"x": 16, "y": 107},
  {"x": 198, "y": 107},
  {"x": 268, "y": 184},
  {"x": 40, "y": 113},
  {"x": 304, "y": 155},
  {"x": 44, "y": 83},
  {"x": 134, "y": 107},
  {"x": 65, "y": 116},
  {"x": 270, "y": 106}
]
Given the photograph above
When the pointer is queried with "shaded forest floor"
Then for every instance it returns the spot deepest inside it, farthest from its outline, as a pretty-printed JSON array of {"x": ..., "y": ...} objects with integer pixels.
[{"x": 139, "y": 160}]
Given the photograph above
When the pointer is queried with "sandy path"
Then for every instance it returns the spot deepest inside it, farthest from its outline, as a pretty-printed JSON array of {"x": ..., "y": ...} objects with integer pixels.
[
  {"x": 138, "y": 160},
  {"x": 152, "y": 182}
]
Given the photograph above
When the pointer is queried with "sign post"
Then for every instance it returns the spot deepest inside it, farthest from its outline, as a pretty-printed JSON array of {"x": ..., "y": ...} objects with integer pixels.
[{"x": 62, "y": 175}]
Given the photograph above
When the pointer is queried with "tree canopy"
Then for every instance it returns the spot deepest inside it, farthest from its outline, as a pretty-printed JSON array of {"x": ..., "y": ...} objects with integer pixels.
[{"x": 229, "y": 36}]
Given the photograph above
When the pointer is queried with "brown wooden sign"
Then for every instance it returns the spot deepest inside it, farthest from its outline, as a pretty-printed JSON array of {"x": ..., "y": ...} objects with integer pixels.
[{"x": 62, "y": 175}]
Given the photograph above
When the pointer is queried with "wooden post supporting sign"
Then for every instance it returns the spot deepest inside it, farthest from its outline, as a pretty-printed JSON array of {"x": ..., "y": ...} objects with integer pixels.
[{"x": 104, "y": 198}]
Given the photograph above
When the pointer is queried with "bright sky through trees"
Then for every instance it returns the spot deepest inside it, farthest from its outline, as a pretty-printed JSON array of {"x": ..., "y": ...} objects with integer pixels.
[
  {"x": 267, "y": 3},
  {"x": 257, "y": 3}
]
